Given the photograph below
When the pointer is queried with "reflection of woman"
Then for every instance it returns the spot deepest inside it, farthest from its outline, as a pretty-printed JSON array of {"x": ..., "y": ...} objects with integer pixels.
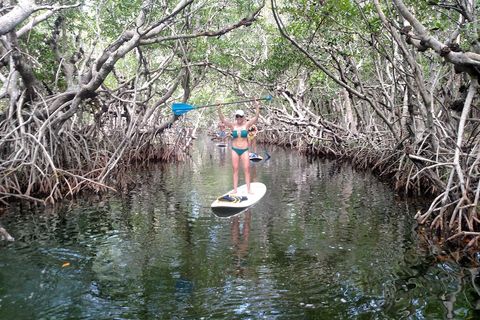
[
  {"x": 240, "y": 239},
  {"x": 240, "y": 143}
]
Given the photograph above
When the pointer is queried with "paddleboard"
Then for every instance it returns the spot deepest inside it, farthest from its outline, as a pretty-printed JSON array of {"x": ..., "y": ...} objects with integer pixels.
[
  {"x": 255, "y": 157},
  {"x": 242, "y": 199},
  {"x": 221, "y": 145}
]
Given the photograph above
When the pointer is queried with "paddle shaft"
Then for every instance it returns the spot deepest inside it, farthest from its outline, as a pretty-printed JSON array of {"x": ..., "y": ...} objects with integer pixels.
[{"x": 227, "y": 103}]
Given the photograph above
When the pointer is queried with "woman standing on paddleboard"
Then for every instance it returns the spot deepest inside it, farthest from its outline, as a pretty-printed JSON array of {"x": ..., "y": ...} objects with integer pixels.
[{"x": 240, "y": 143}]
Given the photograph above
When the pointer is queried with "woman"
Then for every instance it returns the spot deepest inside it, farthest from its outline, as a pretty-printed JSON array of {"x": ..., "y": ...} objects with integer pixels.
[
  {"x": 252, "y": 133},
  {"x": 222, "y": 135},
  {"x": 240, "y": 143}
]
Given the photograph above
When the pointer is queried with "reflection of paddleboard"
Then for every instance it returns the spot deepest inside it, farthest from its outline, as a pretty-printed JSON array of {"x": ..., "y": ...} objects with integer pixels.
[
  {"x": 242, "y": 199},
  {"x": 228, "y": 212},
  {"x": 255, "y": 157}
]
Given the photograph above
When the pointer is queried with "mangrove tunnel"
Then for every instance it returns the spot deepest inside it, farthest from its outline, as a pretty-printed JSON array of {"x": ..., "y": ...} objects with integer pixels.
[{"x": 95, "y": 95}]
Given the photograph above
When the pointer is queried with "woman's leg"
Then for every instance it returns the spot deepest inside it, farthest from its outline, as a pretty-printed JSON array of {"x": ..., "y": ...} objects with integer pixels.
[
  {"x": 246, "y": 169},
  {"x": 235, "y": 161}
]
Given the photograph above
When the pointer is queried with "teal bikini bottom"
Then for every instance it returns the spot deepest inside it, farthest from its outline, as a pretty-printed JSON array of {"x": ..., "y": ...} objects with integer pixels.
[{"x": 239, "y": 151}]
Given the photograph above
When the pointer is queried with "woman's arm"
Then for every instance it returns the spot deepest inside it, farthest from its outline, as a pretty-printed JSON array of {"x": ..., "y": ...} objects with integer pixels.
[
  {"x": 222, "y": 118},
  {"x": 257, "y": 112}
]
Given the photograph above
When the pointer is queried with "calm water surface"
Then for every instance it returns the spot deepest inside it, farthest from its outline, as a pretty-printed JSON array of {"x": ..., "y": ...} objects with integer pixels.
[{"x": 325, "y": 242}]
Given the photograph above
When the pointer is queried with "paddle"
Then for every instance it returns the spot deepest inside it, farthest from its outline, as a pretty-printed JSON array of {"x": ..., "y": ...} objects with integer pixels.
[
  {"x": 180, "y": 108},
  {"x": 267, "y": 156}
]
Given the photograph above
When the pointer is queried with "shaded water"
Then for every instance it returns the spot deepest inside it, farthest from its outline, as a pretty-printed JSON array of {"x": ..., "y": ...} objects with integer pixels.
[{"x": 325, "y": 242}]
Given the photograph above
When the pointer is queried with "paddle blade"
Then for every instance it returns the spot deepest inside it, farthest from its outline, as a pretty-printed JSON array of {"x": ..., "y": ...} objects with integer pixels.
[
  {"x": 180, "y": 108},
  {"x": 268, "y": 98}
]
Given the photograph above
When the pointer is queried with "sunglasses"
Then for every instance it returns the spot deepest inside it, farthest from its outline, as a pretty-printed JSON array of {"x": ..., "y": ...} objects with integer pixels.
[{"x": 238, "y": 116}]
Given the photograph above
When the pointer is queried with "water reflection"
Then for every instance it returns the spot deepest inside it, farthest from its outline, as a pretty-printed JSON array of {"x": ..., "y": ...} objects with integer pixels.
[
  {"x": 240, "y": 229},
  {"x": 325, "y": 242}
]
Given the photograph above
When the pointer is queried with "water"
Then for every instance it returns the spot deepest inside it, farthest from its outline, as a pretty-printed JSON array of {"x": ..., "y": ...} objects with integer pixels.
[{"x": 325, "y": 242}]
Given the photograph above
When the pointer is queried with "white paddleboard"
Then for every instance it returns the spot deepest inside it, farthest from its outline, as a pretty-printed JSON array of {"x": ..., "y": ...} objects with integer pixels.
[
  {"x": 257, "y": 188},
  {"x": 255, "y": 157}
]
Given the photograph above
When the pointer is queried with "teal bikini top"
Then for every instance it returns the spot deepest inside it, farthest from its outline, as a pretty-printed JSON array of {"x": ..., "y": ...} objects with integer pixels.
[{"x": 243, "y": 133}]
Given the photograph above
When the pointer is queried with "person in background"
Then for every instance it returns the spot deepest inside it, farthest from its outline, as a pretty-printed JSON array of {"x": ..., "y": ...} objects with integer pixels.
[
  {"x": 240, "y": 152},
  {"x": 252, "y": 142},
  {"x": 222, "y": 134}
]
